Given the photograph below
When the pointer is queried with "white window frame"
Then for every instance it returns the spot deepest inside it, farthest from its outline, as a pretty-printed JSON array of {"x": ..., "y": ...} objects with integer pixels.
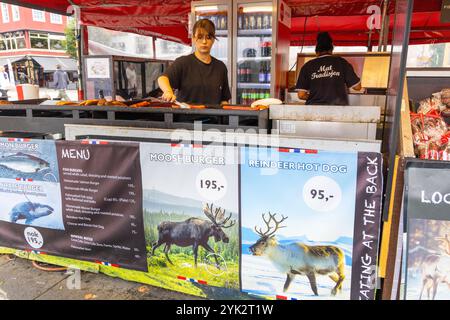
[
  {"x": 36, "y": 14},
  {"x": 5, "y": 13},
  {"x": 56, "y": 18},
  {"x": 40, "y": 35},
  {"x": 15, "y": 13},
  {"x": 55, "y": 37}
]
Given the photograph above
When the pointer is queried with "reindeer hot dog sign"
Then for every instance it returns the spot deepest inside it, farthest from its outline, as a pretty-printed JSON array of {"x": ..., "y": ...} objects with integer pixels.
[
  {"x": 427, "y": 201},
  {"x": 308, "y": 232}
]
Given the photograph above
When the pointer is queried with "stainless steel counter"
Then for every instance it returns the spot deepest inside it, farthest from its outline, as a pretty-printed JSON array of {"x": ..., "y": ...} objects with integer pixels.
[{"x": 342, "y": 122}]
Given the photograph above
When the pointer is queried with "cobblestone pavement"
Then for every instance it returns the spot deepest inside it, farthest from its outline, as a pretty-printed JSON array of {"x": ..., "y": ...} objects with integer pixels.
[{"x": 20, "y": 280}]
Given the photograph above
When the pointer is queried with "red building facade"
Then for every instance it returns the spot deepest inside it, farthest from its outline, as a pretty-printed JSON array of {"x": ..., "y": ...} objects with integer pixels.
[{"x": 33, "y": 41}]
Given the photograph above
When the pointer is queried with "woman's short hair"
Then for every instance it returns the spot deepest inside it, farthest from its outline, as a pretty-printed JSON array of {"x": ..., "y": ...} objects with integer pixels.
[
  {"x": 324, "y": 42},
  {"x": 207, "y": 25}
]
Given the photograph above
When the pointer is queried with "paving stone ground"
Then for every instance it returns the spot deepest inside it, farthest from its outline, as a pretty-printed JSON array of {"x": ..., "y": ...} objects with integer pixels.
[{"x": 20, "y": 280}]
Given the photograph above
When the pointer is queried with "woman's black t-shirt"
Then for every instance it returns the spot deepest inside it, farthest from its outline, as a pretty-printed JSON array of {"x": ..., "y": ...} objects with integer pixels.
[
  {"x": 327, "y": 78},
  {"x": 198, "y": 82}
]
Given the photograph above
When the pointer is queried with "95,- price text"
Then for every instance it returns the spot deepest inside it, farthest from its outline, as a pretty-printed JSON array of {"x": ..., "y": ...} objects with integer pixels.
[{"x": 226, "y": 309}]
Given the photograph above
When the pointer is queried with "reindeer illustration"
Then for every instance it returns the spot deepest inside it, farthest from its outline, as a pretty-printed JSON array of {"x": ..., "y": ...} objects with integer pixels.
[
  {"x": 298, "y": 258},
  {"x": 436, "y": 269}
]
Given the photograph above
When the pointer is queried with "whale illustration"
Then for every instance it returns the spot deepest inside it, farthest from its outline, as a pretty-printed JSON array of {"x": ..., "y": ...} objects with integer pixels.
[
  {"x": 23, "y": 162},
  {"x": 29, "y": 211}
]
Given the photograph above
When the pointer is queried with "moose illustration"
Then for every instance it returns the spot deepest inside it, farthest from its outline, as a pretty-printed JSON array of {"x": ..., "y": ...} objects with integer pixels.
[
  {"x": 298, "y": 258},
  {"x": 195, "y": 232},
  {"x": 435, "y": 269}
]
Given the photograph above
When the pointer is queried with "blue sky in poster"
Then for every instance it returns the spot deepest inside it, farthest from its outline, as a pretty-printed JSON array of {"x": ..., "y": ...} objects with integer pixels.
[
  {"x": 283, "y": 193},
  {"x": 179, "y": 179}
]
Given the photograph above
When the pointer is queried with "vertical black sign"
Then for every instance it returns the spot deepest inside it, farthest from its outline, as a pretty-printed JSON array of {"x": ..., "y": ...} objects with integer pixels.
[
  {"x": 367, "y": 226},
  {"x": 427, "y": 203},
  {"x": 101, "y": 189},
  {"x": 445, "y": 11}
]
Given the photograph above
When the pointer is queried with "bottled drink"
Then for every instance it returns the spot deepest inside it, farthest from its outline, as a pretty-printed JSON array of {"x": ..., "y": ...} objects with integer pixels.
[
  {"x": 266, "y": 21},
  {"x": 240, "y": 24},
  {"x": 248, "y": 73},
  {"x": 267, "y": 74},
  {"x": 246, "y": 22},
  {"x": 262, "y": 49},
  {"x": 270, "y": 21},
  {"x": 267, "y": 94},
  {"x": 240, "y": 72},
  {"x": 252, "y": 22},
  {"x": 269, "y": 49},
  {"x": 262, "y": 75},
  {"x": 261, "y": 94},
  {"x": 223, "y": 24},
  {"x": 259, "y": 21},
  {"x": 247, "y": 97}
]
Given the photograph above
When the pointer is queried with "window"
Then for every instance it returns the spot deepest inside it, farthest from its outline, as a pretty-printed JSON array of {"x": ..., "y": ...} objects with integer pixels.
[
  {"x": 38, "y": 15},
  {"x": 39, "y": 40},
  {"x": 5, "y": 13},
  {"x": 57, "y": 42},
  {"x": 55, "y": 18},
  {"x": 12, "y": 41},
  {"x": 45, "y": 41},
  {"x": 15, "y": 13}
]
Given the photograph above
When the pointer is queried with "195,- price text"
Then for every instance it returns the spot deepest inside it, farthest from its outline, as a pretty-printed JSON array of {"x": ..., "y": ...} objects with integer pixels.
[{"x": 241, "y": 309}]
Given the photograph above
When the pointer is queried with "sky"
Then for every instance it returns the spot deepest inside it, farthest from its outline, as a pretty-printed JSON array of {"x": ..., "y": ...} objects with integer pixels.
[{"x": 180, "y": 180}]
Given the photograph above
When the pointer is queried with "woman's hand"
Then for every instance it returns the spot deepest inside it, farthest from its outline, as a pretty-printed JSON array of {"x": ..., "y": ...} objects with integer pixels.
[{"x": 169, "y": 96}]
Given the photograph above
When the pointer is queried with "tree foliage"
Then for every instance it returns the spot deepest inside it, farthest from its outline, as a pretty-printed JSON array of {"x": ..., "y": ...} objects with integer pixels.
[{"x": 71, "y": 39}]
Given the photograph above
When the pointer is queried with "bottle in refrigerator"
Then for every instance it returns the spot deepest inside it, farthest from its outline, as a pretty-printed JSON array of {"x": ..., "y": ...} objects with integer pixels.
[
  {"x": 240, "y": 72},
  {"x": 261, "y": 95},
  {"x": 269, "y": 49},
  {"x": 240, "y": 22},
  {"x": 248, "y": 73},
  {"x": 246, "y": 21},
  {"x": 259, "y": 21},
  {"x": 267, "y": 74},
  {"x": 262, "y": 49},
  {"x": 262, "y": 73},
  {"x": 266, "y": 21},
  {"x": 223, "y": 23},
  {"x": 252, "y": 22}
]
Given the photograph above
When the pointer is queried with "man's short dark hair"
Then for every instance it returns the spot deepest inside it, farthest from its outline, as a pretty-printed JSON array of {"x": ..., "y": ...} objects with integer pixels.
[
  {"x": 58, "y": 67},
  {"x": 324, "y": 42},
  {"x": 207, "y": 25}
]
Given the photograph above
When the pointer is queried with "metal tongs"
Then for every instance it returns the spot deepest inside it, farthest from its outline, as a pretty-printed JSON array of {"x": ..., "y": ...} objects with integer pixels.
[{"x": 182, "y": 105}]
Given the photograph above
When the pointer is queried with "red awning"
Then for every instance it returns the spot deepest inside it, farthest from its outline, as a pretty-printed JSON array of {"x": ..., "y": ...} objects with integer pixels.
[{"x": 346, "y": 20}]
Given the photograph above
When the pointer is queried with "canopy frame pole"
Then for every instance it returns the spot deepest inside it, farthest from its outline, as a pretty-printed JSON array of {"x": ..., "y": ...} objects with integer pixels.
[{"x": 383, "y": 25}]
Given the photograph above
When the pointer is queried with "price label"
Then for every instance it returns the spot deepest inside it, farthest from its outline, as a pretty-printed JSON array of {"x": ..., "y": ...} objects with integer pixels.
[
  {"x": 33, "y": 237},
  {"x": 322, "y": 194},
  {"x": 211, "y": 184}
]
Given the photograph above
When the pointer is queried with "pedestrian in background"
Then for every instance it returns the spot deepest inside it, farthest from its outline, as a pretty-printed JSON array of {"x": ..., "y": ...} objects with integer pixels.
[
  {"x": 61, "y": 81},
  {"x": 4, "y": 83}
]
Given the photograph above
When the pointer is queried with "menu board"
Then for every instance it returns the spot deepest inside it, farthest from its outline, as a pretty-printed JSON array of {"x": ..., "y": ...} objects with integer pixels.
[{"x": 75, "y": 200}]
